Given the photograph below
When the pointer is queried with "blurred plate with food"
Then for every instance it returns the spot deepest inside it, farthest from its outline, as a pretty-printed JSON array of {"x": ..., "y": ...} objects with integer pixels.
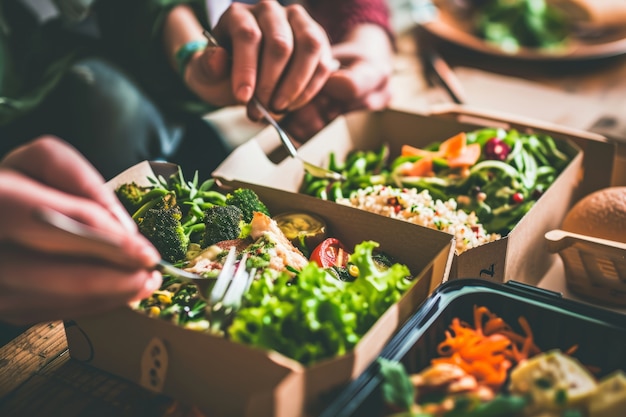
[{"x": 539, "y": 30}]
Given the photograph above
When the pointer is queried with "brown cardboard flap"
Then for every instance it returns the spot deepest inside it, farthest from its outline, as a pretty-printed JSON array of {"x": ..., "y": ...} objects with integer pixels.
[
  {"x": 202, "y": 369},
  {"x": 250, "y": 162},
  {"x": 594, "y": 268},
  {"x": 137, "y": 173}
]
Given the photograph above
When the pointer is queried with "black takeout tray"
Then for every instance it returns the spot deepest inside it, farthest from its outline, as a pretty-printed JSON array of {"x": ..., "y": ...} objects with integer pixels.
[{"x": 557, "y": 323}]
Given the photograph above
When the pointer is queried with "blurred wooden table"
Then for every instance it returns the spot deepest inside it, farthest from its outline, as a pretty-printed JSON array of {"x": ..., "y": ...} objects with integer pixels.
[
  {"x": 37, "y": 376},
  {"x": 593, "y": 80}
]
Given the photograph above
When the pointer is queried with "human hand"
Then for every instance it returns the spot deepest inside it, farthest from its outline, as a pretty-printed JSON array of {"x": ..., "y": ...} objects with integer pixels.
[
  {"x": 362, "y": 83},
  {"x": 40, "y": 279},
  {"x": 278, "y": 54}
]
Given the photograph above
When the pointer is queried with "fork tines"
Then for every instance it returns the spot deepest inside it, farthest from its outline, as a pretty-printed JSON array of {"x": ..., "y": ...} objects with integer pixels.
[
  {"x": 224, "y": 277},
  {"x": 231, "y": 282},
  {"x": 238, "y": 285}
]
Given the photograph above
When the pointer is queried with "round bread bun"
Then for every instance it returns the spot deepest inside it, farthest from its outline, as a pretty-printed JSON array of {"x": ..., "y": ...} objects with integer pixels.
[{"x": 601, "y": 214}]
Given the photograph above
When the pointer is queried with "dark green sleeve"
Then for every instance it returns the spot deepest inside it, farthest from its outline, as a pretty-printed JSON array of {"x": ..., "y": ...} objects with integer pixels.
[{"x": 132, "y": 33}]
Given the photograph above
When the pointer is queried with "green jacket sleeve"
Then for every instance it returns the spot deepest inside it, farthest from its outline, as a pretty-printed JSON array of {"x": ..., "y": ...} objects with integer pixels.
[
  {"x": 33, "y": 58},
  {"x": 132, "y": 32}
]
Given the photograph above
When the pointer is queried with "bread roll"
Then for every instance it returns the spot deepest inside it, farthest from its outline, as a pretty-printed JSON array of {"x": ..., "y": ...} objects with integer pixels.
[
  {"x": 601, "y": 214},
  {"x": 593, "y": 13}
]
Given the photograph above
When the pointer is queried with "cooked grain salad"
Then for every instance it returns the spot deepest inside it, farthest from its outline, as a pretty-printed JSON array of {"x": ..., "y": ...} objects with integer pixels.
[{"x": 420, "y": 208}]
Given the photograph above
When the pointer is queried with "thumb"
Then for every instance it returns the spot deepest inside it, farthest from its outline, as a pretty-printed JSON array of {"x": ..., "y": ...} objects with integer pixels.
[{"x": 355, "y": 81}]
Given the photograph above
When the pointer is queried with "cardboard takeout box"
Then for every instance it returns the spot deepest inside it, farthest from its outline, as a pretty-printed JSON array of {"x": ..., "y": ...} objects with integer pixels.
[
  {"x": 522, "y": 254},
  {"x": 230, "y": 379}
]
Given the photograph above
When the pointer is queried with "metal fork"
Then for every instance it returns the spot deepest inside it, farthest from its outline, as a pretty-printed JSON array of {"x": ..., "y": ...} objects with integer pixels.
[
  {"x": 95, "y": 243},
  {"x": 315, "y": 170},
  {"x": 227, "y": 293}
]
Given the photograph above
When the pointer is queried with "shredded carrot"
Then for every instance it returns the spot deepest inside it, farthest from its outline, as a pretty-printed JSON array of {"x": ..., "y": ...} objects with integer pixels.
[{"x": 488, "y": 349}]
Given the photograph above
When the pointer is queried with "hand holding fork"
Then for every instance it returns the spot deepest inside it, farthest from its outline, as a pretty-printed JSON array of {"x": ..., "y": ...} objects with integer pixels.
[{"x": 226, "y": 294}]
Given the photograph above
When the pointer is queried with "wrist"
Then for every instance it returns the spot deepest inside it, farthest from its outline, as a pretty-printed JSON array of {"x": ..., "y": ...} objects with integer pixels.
[{"x": 186, "y": 52}]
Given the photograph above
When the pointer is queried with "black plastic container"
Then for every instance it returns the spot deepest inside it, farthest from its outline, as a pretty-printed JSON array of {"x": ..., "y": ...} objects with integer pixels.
[{"x": 556, "y": 323}]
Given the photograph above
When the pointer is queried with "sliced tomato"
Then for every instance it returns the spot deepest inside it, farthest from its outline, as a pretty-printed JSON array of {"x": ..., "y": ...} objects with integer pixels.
[{"x": 331, "y": 252}]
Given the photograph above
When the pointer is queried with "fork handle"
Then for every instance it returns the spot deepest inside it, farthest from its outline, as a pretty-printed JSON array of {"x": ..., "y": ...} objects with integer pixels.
[
  {"x": 264, "y": 112},
  {"x": 283, "y": 138},
  {"x": 80, "y": 240}
]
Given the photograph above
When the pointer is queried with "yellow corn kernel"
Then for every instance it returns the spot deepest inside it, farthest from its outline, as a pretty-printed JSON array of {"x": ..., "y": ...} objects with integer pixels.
[
  {"x": 198, "y": 325},
  {"x": 164, "y": 298},
  {"x": 353, "y": 270},
  {"x": 154, "y": 311}
]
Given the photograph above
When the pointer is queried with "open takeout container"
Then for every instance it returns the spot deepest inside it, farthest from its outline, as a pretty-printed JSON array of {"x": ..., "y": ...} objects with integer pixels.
[
  {"x": 556, "y": 323},
  {"x": 230, "y": 379},
  {"x": 590, "y": 169},
  {"x": 595, "y": 269}
]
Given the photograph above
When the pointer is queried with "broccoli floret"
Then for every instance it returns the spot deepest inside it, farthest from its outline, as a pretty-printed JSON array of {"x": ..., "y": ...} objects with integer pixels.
[
  {"x": 161, "y": 225},
  {"x": 247, "y": 201},
  {"x": 131, "y": 195},
  {"x": 222, "y": 223},
  {"x": 134, "y": 196}
]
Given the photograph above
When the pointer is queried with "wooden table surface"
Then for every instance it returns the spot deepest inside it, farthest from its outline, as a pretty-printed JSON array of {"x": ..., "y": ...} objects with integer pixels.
[
  {"x": 37, "y": 375},
  {"x": 38, "y": 378}
]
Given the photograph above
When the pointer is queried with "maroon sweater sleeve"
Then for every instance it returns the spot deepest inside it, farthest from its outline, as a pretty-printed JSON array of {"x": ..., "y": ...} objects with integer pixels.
[{"x": 339, "y": 17}]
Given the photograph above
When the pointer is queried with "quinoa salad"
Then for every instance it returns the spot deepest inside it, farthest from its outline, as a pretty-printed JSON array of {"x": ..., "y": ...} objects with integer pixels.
[{"x": 420, "y": 208}]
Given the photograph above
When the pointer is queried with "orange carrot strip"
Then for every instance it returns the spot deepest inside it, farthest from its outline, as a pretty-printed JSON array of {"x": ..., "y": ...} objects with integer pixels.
[
  {"x": 467, "y": 158},
  {"x": 454, "y": 145},
  {"x": 423, "y": 167},
  {"x": 495, "y": 324},
  {"x": 479, "y": 312},
  {"x": 408, "y": 150}
]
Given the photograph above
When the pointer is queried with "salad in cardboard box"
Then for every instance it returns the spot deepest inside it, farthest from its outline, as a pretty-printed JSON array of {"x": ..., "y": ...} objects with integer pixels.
[
  {"x": 319, "y": 296},
  {"x": 496, "y": 185}
]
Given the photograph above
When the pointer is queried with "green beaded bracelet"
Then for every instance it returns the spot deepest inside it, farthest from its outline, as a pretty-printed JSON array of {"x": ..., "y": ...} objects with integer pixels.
[{"x": 184, "y": 53}]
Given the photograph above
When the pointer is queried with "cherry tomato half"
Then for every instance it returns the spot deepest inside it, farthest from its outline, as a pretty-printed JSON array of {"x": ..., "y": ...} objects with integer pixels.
[{"x": 331, "y": 252}]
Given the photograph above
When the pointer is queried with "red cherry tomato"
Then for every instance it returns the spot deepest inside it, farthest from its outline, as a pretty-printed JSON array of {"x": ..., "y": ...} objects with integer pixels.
[
  {"x": 517, "y": 198},
  {"x": 331, "y": 252}
]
